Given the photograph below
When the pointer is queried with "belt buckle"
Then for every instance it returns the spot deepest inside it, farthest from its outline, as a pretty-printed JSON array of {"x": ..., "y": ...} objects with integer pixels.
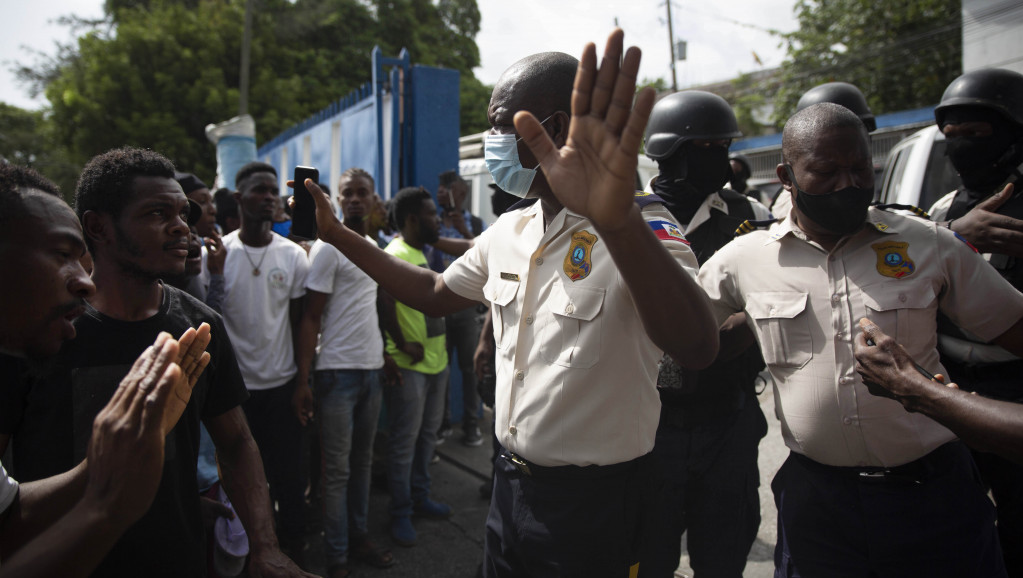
[
  {"x": 878, "y": 476},
  {"x": 519, "y": 464}
]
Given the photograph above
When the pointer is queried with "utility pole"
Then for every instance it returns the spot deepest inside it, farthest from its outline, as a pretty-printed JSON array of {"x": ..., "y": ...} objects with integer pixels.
[
  {"x": 671, "y": 47},
  {"x": 243, "y": 81}
]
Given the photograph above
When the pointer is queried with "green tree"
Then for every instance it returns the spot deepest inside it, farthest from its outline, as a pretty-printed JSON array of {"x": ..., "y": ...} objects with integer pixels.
[
  {"x": 26, "y": 139},
  {"x": 900, "y": 53},
  {"x": 154, "y": 73}
]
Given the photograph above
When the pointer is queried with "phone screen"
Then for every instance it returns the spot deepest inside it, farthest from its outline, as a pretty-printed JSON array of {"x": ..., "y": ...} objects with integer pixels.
[{"x": 303, "y": 218}]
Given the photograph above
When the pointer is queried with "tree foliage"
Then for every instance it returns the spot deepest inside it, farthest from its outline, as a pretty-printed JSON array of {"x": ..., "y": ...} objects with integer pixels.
[
  {"x": 156, "y": 72},
  {"x": 900, "y": 53},
  {"x": 26, "y": 139}
]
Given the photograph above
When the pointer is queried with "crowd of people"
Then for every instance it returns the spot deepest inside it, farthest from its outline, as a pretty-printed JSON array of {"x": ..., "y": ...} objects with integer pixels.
[{"x": 166, "y": 349}]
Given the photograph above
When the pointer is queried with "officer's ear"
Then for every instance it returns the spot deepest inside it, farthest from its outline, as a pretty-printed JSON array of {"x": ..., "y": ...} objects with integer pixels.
[
  {"x": 558, "y": 127},
  {"x": 784, "y": 172}
]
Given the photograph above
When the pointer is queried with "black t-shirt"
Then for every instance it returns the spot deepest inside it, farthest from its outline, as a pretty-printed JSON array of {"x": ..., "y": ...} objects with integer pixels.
[{"x": 50, "y": 414}]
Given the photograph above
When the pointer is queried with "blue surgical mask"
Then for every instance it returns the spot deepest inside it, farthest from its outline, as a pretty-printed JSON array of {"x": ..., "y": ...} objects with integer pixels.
[{"x": 501, "y": 153}]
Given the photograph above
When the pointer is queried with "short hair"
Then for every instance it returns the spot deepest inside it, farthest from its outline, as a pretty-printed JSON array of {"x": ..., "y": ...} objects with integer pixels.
[
  {"x": 356, "y": 172},
  {"x": 107, "y": 181},
  {"x": 545, "y": 81},
  {"x": 408, "y": 201},
  {"x": 227, "y": 207},
  {"x": 15, "y": 183},
  {"x": 805, "y": 125},
  {"x": 251, "y": 169},
  {"x": 448, "y": 178}
]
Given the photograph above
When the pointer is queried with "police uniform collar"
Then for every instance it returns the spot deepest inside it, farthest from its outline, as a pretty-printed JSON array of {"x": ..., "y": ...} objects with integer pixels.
[{"x": 877, "y": 220}]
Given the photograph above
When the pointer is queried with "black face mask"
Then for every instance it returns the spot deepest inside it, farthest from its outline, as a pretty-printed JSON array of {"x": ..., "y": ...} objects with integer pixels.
[
  {"x": 840, "y": 212},
  {"x": 984, "y": 162},
  {"x": 708, "y": 168}
]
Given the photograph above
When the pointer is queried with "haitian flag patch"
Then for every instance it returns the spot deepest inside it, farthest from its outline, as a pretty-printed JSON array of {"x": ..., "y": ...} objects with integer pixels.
[{"x": 667, "y": 231}]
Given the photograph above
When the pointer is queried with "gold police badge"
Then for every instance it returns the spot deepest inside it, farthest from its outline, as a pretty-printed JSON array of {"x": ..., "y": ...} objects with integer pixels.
[
  {"x": 893, "y": 259},
  {"x": 578, "y": 261}
]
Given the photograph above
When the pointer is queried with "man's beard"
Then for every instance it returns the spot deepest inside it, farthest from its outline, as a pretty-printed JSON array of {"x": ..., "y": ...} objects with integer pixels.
[{"x": 133, "y": 269}]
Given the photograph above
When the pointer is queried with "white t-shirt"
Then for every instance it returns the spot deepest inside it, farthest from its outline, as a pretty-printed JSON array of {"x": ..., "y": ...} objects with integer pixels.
[
  {"x": 256, "y": 307},
  {"x": 8, "y": 490},
  {"x": 349, "y": 332}
]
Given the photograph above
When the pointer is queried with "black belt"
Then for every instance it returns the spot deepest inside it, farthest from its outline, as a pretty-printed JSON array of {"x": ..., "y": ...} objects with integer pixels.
[
  {"x": 530, "y": 469},
  {"x": 912, "y": 473}
]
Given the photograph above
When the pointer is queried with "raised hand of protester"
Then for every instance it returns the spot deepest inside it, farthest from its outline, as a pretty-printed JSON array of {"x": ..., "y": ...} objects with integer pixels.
[
  {"x": 125, "y": 455},
  {"x": 192, "y": 358},
  {"x": 594, "y": 174},
  {"x": 990, "y": 232},
  {"x": 216, "y": 254}
]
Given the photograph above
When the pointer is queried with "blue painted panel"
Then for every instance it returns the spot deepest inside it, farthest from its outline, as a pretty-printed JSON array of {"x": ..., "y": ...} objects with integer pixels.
[
  {"x": 434, "y": 113},
  {"x": 319, "y": 152},
  {"x": 359, "y": 141}
]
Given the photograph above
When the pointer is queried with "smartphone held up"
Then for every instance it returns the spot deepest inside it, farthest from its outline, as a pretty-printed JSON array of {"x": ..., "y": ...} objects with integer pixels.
[{"x": 303, "y": 218}]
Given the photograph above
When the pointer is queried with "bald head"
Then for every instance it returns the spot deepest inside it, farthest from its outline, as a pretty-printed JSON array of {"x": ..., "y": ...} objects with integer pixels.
[
  {"x": 540, "y": 83},
  {"x": 806, "y": 126}
]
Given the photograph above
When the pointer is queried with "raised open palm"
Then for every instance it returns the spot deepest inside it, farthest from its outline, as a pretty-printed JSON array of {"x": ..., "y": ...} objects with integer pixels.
[{"x": 594, "y": 174}]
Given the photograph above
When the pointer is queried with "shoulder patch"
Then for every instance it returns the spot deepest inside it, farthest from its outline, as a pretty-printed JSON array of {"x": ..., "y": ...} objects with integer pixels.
[
  {"x": 667, "y": 231},
  {"x": 750, "y": 225},
  {"x": 968, "y": 244},
  {"x": 644, "y": 198}
]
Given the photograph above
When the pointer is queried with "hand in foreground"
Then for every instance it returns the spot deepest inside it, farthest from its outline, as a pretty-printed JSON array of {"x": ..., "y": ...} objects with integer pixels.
[
  {"x": 126, "y": 449},
  {"x": 414, "y": 350},
  {"x": 274, "y": 564},
  {"x": 392, "y": 373},
  {"x": 192, "y": 358},
  {"x": 990, "y": 232},
  {"x": 886, "y": 367},
  {"x": 594, "y": 174}
]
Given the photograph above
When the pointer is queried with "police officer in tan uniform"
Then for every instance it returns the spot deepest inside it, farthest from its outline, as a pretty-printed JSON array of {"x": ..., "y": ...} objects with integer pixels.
[
  {"x": 868, "y": 489},
  {"x": 576, "y": 280}
]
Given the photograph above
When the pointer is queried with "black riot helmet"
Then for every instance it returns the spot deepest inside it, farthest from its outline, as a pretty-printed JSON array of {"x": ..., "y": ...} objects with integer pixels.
[
  {"x": 995, "y": 89},
  {"x": 843, "y": 94},
  {"x": 685, "y": 116}
]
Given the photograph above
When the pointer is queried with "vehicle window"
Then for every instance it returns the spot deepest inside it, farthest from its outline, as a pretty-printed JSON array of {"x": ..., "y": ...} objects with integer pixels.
[
  {"x": 941, "y": 177},
  {"x": 893, "y": 181}
]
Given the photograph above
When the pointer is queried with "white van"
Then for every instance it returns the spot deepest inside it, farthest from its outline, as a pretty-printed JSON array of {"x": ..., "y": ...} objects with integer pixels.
[{"x": 917, "y": 171}]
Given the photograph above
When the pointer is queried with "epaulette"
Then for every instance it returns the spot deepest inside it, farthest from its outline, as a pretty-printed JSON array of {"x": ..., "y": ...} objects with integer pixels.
[
  {"x": 898, "y": 206},
  {"x": 731, "y": 195},
  {"x": 522, "y": 204},
  {"x": 749, "y": 225},
  {"x": 644, "y": 198}
]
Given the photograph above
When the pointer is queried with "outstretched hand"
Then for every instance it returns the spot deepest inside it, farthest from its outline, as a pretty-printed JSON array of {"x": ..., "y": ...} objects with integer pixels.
[
  {"x": 887, "y": 368},
  {"x": 594, "y": 174},
  {"x": 990, "y": 232}
]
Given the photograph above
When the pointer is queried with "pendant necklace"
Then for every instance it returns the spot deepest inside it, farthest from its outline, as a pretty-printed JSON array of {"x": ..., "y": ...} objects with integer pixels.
[{"x": 255, "y": 267}]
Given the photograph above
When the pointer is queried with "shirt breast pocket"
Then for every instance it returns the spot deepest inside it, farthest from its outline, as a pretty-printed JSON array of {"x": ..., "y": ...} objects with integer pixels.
[
  {"x": 901, "y": 311},
  {"x": 783, "y": 325},
  {"x": 500, "y": 293},
  {"x": 571, "y": 336}
]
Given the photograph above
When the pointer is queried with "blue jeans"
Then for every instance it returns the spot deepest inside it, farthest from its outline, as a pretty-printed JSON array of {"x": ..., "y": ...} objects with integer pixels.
[
  {"x": 415, "y": 409},
  {"x": 347, "y": 409}
]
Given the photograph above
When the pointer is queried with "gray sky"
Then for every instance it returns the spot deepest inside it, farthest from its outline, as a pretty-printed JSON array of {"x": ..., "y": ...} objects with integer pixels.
[{"x": 718, "y": 47}]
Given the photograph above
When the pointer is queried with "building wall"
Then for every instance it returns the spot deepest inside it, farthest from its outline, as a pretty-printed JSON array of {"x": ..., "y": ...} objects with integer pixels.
[{"x": 993, "y": 34}]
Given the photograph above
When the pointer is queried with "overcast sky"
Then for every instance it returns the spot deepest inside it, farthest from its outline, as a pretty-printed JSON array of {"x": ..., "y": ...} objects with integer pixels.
[{"x": 722, "y": 36}]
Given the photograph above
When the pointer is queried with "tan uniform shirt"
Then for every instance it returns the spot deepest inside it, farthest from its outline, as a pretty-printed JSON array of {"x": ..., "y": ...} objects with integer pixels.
[
  {"x": 804, "y": 303},
  {"x": 576, "y": 372}
]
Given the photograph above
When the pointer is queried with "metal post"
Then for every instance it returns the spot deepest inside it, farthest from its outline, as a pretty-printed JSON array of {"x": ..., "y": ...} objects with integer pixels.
[{"x": 671, "y": 47}]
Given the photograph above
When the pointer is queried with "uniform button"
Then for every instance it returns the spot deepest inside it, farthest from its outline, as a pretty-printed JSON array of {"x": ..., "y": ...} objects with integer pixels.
[
  {"x": 836, "y": 298},
  {"x": 512, "y": 430},
  {"x": 839, "y": 336},
  {"x": 902, "y": 297},
  {"x": 773, "y": 310},
  {"x": 538, "y": 261},
  {"x": 570, "y": 309},
  {"x": 529, "y": 320},
  {"x": 844, "y": 380},
  {"x": 846, "y": 421},
  {"x": 520, "y": 375}
]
